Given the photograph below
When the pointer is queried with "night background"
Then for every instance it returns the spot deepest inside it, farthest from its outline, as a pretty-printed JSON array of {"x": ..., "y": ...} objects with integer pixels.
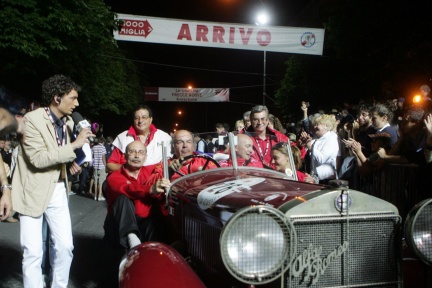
[{"x": 372, "y": 52}]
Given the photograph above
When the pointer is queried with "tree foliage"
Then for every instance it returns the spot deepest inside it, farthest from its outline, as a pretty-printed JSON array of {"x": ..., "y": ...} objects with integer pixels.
[
  {"x": 40, "y": 38},
  {"x": 373, "y": 51}
]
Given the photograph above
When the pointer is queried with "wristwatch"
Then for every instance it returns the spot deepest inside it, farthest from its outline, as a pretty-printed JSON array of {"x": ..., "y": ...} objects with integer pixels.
[{"x": 6, "y": 186}]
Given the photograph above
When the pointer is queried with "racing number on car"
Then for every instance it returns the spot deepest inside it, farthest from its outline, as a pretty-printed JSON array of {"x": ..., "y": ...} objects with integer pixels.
[
  {"x": 207, "y": 197},
  {"x": 226, "y": 188}
]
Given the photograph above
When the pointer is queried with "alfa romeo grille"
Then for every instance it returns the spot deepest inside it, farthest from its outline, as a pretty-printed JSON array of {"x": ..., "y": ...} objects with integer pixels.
[{"x": 361, "y": 251}]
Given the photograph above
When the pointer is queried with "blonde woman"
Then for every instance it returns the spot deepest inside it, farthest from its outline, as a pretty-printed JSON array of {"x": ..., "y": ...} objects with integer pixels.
[
  {"x": 324, "y": 149},
  {"x": 280, "y": 159},
  {"x": 239, "y": 126}
]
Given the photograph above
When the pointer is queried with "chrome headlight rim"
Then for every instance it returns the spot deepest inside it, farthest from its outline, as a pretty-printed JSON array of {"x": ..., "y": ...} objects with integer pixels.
[
  {"x": 284, "y": 258},
  {"x": 411, "y": 228}
]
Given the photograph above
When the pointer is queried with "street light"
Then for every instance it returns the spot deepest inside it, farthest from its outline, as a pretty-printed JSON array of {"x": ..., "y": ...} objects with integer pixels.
[{"x": 263, "y": 19}]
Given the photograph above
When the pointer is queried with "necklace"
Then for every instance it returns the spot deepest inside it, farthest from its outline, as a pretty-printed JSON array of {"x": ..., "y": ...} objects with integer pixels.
[{"x": 143, "y": 138}]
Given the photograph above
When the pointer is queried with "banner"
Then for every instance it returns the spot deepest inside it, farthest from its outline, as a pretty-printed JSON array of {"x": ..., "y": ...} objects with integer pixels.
[
  {"x": 220, "y": 35},
  {"x": 186, "y": 94}
]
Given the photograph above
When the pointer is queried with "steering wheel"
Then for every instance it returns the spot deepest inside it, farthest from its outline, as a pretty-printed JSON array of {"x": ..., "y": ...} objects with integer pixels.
[{"x": 208, "y": 159}]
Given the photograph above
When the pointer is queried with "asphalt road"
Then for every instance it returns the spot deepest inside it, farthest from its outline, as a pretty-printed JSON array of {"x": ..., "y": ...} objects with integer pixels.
[{"x": 94, "y": 263}]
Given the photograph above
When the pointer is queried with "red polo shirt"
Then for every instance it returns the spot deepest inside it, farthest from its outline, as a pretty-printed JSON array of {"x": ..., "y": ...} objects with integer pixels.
[{"x": 138, "y": 190}]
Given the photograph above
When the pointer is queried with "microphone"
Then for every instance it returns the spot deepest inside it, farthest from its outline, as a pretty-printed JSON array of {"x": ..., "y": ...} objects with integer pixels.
[{"x": 81, "y": 123}]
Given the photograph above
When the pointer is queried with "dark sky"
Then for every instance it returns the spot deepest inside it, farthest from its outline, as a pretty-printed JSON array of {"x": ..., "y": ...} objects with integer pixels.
[{"x": 180, "y": 66}]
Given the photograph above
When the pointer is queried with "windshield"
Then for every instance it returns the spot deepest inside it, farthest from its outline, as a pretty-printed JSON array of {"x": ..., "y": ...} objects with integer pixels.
[{"x": 210, "y": 150}]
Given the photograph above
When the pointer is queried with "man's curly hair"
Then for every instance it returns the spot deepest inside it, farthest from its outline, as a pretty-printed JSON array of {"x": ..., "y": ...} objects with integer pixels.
[{"x": 59, "y": 85}]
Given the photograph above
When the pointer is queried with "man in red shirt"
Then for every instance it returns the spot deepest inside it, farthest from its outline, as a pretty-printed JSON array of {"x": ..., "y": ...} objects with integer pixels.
[
  {"x": 263, "y": 137},
  {"x": 244, "y": 152},
  {"x": 184, "y": 147},
  {"x": 136, "y": 201}
]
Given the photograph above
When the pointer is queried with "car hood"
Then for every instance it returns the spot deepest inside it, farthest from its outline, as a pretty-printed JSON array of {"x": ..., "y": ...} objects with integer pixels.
[{"x": 229, "y": 189}]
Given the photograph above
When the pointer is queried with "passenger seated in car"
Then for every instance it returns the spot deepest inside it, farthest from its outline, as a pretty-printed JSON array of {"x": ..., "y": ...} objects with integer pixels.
[
  {"x": 135, "y": 201},
  {"x": 282, "y": 163},
  {"x": 186, "y": 160},
  {"x": 244, "y": 151}
]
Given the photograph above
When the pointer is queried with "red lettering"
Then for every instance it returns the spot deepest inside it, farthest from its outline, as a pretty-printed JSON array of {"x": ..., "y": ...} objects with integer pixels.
[
  {"x": 218, "y": 33},
  {"x": 245, "y": 36},
  {"x": 263, "y": 34},
  {"x": 231, "y": 36},
  {"x": 201, "y": 33},
  {"x": 263, "y": 37},
  {"x": 184, "y": 33}
]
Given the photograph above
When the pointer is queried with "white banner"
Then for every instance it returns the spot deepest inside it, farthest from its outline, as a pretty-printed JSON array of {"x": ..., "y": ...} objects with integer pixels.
[
  {"x": 221, "y": 35},
  {"x": 186, "y": 94}
]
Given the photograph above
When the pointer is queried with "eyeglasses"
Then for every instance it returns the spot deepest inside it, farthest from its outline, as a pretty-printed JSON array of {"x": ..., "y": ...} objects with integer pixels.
[
  {"x": 141, "y": 117},
  {"x": 134, "y": 152}
]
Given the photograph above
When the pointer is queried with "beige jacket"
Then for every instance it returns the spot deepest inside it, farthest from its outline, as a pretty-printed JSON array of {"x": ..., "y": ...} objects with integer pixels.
[{"x": 39, "y": 163}]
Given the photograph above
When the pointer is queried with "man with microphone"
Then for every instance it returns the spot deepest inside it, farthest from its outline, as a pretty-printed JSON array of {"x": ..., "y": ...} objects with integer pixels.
[{"x": 40, "y": 180}]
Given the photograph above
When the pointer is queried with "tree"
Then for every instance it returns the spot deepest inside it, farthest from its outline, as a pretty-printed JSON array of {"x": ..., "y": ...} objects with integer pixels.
[
  {"x": 44, "y": 37},
  {"x": 372, "y": 51}
]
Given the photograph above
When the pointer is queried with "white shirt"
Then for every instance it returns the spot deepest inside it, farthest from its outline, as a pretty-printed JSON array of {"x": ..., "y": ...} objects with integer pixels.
[
  {"x": 154, "y": 149},
  {"x": 201, "y": 145},
  {"x": 324, "y": 153}
]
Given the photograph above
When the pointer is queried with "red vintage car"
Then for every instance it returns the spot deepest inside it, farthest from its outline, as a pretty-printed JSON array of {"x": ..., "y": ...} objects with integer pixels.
[{"x": 247, "y": 227}]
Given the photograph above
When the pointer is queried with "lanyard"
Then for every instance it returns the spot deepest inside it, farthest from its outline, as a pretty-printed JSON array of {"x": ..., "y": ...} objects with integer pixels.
[
  {"x": 260, "y": 149},
  {"x": 55, "y": 129}
]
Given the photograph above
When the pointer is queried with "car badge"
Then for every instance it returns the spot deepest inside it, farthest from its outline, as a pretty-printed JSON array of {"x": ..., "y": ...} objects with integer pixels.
[
  {"x": 289, "y": 172},
  {"x": 343, "y": 202}
]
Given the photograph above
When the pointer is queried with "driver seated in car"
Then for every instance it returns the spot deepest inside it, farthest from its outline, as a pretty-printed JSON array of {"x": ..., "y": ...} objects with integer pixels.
[
  {"x": 244, "y": 151},
  {"x": 136, "y": 201},
  {"x": 186, "y": 160}
]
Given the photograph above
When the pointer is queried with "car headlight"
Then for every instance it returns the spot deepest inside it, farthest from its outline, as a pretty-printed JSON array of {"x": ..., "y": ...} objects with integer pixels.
[
  {"x": 256, "y": 244},
  {"x": 418, "y": 230}
]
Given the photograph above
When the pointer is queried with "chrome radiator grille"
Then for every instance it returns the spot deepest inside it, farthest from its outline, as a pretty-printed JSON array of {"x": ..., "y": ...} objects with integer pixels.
[
  {"x": 370, "y": 260},
  {"x": 202, "y": 242}
]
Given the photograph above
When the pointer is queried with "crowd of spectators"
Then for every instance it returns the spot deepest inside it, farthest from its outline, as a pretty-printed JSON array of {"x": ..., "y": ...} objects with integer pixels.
[
  {"x": 365, "y": 138},
  {"x": 343, "y": 143}
]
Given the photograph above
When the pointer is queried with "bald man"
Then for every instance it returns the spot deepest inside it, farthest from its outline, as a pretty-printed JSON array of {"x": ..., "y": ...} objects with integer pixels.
[
  {"x": 244, "y": 151},
  {"x": 183, "y": 146},
  {"x": 135, "y": 201}
]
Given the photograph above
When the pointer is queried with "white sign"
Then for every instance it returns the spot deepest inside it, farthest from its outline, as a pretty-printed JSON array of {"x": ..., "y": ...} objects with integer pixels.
[
  {"x": 221, "y": 35},
  {"x": 186, "y": 94},
  {"x": 207, "y": 197}
]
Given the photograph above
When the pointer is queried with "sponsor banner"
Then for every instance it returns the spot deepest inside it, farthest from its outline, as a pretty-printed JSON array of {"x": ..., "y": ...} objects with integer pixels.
[
  {"x": 186, "y": 94},
  {"x": 220, "y": 35}
]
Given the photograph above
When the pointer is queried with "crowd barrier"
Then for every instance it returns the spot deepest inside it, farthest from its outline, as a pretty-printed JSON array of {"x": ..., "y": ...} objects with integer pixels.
[{"x": 396, "y": 183}]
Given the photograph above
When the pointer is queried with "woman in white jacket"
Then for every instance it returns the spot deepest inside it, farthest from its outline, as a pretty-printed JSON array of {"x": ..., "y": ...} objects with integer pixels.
[{"x": 323, "y": 149}]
